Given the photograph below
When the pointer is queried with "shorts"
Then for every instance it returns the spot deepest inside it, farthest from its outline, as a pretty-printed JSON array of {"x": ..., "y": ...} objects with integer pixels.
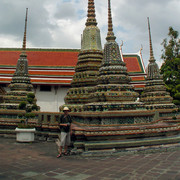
[{"x": 65, "y": 139}]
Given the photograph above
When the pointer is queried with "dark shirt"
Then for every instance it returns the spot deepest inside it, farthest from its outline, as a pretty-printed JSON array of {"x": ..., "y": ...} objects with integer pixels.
[{"x": 65, "y": 120}]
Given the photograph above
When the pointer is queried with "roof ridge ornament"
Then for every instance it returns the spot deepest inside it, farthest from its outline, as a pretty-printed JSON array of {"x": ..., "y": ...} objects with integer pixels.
[
  {"x": 141, "y": 49},
  {"x": 110, "y": 34},
  {"x": 122, "y": 43},
  {"x": 91, "y": 20},
  {"x": 152, "y": 59}
]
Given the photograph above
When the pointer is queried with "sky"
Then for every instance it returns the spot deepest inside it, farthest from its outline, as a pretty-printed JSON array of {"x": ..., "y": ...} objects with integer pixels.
[{"x": 60, "y": 23}]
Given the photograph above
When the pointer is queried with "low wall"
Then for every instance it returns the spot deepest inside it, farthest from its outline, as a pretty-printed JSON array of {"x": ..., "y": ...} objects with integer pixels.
[{"x": 46, "y": 123}]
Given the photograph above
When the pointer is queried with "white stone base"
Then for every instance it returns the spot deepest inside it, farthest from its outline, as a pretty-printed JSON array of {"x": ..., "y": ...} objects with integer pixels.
[{"x": 25, "y": 135}]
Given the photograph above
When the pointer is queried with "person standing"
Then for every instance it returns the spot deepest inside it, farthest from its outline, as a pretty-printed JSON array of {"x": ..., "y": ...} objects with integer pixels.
[{"x": 65, "y": 127}]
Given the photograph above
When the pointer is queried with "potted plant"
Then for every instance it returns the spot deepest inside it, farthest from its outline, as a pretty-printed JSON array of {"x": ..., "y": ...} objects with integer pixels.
[{"x": 25, "y": 131}]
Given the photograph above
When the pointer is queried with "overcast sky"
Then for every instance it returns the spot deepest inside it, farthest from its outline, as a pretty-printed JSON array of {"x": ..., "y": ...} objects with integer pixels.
[{"x": 60, "y": 23}]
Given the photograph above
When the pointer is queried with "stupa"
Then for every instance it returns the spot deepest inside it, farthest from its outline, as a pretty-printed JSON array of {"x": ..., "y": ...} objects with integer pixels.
[
  {"x": 106, "y": 89},
  {"x": 155, "y": 95},
  {"x": 20, "y": 85},
  {"x": 89, "y": 61},
  {"x": 114, "y": 91},
  {"x": 113, "y": 96},
  {"x": 111, "y": 117}
]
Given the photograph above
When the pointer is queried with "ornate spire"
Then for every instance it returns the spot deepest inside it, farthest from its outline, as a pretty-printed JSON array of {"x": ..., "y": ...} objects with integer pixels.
[
  {"x": 21, "y": 74},
  {"x": 110, "y": 34},
  {"x": 150, "y": 44},
  {"x": 25, "y": 30},
  {"x": 91, "y": 20},
  {"x": 155, "y": 95}
]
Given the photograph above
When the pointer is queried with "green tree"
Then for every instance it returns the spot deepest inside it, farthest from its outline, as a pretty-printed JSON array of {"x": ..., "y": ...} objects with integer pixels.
[
  {"x": 171, "y": 66},
  {"x": 28, "y": 106}
]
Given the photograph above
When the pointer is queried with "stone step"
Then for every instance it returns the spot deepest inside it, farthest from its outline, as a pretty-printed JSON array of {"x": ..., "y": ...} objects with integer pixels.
[{"x": 118, "y": 144}]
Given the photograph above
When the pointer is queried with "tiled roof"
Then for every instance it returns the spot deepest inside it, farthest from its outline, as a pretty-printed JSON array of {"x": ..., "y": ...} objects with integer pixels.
[
  {"x": 134, "y": 63},
  {"x": 56, "y": 66},
  {"x": 40, "y": 57}
]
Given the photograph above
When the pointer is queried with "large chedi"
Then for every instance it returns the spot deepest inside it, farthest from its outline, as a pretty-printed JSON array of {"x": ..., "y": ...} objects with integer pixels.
[
  {"x": 112, "y": 118},
  {"x": 114, "y": 91},
  {"x": 20, "y": 85},
  {"x": 89, "y": 61},
  {"x": 155, "y": 95}
]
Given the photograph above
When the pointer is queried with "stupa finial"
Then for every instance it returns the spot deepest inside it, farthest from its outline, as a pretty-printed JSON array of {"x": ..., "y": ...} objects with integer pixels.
[
  {"x": 150, "y": 43},
  {"x": 140, "y": 51},
  {"x": 91, "y": 20},
  {"x": 25, "y": 30},
  {"x": 122, "y": 43},
  {"x": 110, "y": 34}
]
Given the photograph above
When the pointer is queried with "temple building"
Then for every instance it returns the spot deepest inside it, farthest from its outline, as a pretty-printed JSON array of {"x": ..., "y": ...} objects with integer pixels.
[{"x": 51, "y": 72}]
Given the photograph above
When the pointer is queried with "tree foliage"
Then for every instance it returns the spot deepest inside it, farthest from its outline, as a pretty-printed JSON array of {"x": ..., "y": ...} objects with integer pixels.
[
  {"x": 171, "y": 66},
  {"x": 29, "y": 106}
]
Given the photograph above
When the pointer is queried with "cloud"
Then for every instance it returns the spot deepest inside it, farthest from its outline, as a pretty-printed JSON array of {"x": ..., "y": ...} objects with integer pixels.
[
  {"x": 60, "y": 23},
  {"x": 12, "y": 21},
  {"x": 6, "y": 40},
  {"x": 66, "y": 10}
]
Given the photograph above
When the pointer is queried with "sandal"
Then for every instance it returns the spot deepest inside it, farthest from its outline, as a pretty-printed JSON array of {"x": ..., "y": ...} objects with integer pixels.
[
  {"x": 59, "y": 155},
  {"x": 66, "y": 154}
]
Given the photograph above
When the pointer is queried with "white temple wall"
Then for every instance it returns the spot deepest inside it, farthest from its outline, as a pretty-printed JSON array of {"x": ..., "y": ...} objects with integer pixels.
[{"x": 50, "y": 101}]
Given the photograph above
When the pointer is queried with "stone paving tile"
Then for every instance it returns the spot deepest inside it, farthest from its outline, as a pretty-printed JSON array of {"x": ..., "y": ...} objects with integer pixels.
[
  {"x": 42, "y": 177},
  {"x": 62, "y": 176},
  {"x": 30, "y": 174},
  {"x": 89, "y": 172},
  {"x": 93, "y": 178},
  {"x": 60, "y": 171},
  {"x": 51, "y": 174}
]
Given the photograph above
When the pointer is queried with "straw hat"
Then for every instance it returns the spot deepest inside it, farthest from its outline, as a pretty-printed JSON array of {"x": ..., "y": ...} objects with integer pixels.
[{"x": 66, "y": 109}]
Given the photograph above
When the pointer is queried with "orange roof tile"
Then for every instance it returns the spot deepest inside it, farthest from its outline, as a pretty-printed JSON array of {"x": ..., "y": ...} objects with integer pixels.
[
  {"x": 41, "y": 58},
  {"x": 56, "y": 66},
  {"x": 38, "y": 72},
  {"x": 137, "y": 86},
  {"x": 5, "y": 79},
  {"x": 51, "y": 81},
  {"x": 140, "y": 78},
  {"x": 134, "y": 64}
]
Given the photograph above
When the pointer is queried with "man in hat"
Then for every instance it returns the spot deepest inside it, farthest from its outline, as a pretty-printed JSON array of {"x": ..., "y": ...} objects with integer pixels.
[{"x": 65, "y": 127}]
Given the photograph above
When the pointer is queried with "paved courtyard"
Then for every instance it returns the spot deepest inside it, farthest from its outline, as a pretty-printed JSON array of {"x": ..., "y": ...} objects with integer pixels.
[{"x": 38, "y": 161}]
